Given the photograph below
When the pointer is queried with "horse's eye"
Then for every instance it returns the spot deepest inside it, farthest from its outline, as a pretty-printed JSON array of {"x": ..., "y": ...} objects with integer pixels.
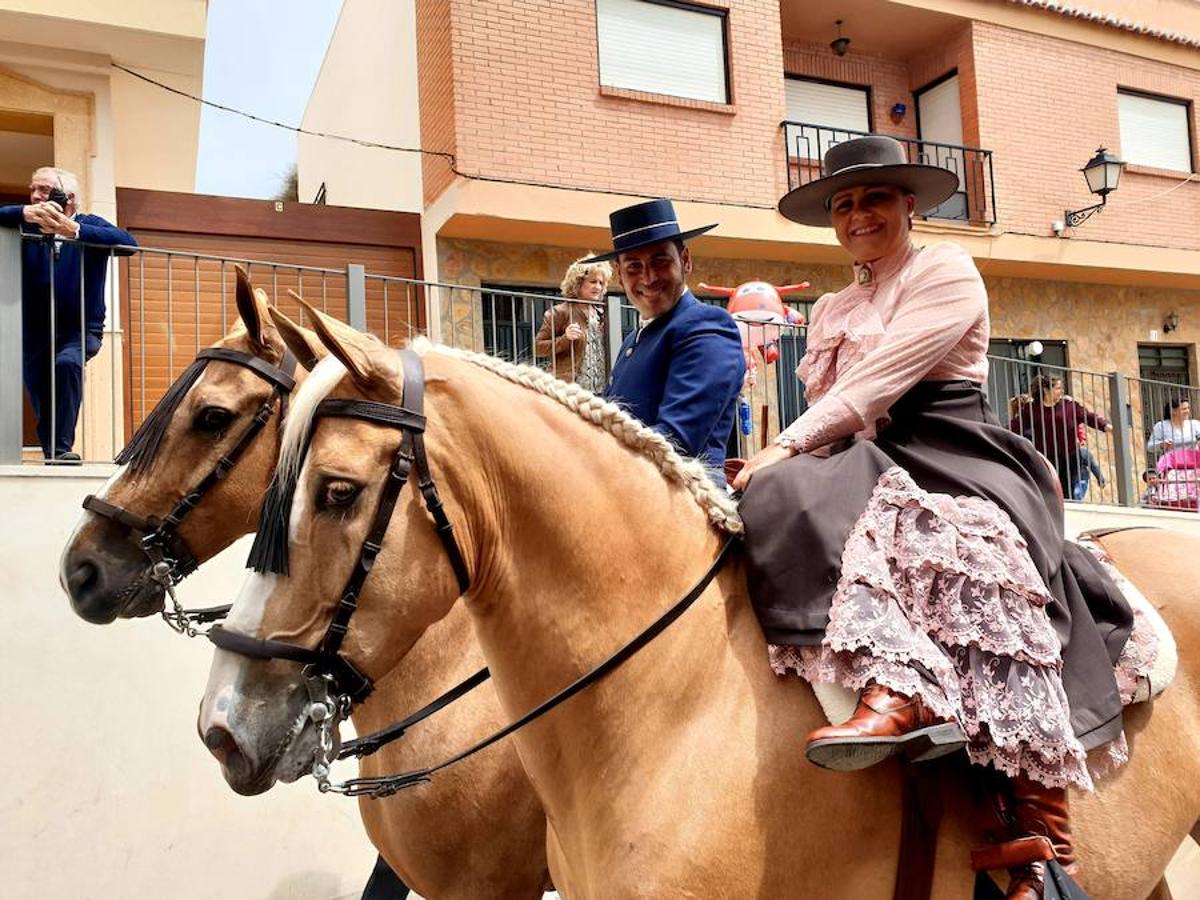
[
  {"x": 338, "y": 494},
  {"x": 213, "y": 420}
]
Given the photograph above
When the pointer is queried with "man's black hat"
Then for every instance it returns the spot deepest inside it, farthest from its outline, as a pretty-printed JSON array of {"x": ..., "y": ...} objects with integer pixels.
[{"x": 644, "y": 224}]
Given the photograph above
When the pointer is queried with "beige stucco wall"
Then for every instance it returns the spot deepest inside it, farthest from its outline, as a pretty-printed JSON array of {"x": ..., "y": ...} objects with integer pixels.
[
  {"x": 367, "y": 88},
  {"x": 181, "y": 18},
  {"x": 111, "y": 794}
]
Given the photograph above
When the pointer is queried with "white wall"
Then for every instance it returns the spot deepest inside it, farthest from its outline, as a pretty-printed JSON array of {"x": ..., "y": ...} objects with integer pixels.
[
  {"x": 367, "y": 89},
  {"x": 110, "y": 793}
]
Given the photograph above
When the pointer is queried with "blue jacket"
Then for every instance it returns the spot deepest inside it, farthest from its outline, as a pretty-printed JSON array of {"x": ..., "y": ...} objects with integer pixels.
[
  {"x": 682, "y": 374},
  {"x": 69, "y": 258}
]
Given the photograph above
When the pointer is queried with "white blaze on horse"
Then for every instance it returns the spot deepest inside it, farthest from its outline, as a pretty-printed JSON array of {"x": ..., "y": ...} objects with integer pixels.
[
  {"x": 682, "y": 773},
  {"x": 481, "y": 833}
]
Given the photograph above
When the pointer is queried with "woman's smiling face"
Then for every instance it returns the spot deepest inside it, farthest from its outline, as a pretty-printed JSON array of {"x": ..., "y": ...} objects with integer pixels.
[{"x": 871, "y": 221}]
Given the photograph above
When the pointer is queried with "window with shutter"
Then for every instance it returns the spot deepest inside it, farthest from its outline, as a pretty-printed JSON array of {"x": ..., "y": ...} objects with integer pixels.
[
  {"x": 663, "y": 48},
  {"x": 825, "y": 114},
  {"x": 1154, "y": 131}
]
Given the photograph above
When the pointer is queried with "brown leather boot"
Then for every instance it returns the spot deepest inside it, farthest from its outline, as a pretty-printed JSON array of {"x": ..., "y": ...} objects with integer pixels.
[
  {"x": 884, "y": 724},
  {"x": 1040, "y": 826},
  {"x": 1041, "y": 811}
]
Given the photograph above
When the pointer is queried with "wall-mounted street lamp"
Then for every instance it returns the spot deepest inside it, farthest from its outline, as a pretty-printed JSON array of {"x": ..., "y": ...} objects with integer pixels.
[
  {"x": 1170, "y": 323},
  {"x": 1103, "y": 174}
]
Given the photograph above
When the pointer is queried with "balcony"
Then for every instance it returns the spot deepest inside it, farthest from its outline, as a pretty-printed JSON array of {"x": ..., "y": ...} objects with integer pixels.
[{"x": 973, "y": 203}]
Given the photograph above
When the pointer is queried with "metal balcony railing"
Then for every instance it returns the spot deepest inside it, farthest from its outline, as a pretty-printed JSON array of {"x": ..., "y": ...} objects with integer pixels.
[
  {"x": 1119, "y": 440},
  {"x": 974, "y": 202}
]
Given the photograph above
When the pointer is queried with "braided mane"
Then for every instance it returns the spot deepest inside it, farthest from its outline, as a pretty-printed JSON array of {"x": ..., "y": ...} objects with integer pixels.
[{"x": 631, "y": 432}]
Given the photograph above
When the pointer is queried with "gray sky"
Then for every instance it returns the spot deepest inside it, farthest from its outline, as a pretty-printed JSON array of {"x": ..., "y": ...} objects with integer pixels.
[{"x": 261, "y": 56}]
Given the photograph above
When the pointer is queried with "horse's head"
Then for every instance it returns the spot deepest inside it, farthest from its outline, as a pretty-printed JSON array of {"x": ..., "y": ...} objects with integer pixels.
[
  {"x": 332, "y": 473},
  {"x": 105, "y": 570}
]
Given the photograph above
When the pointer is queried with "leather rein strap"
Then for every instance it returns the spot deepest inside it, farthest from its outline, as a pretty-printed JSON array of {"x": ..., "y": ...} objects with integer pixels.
[
  {"x": 386, "y": 785},
  {"x": 160, "y": 539}
]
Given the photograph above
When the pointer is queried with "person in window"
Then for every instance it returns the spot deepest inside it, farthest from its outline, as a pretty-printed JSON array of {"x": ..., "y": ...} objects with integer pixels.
[
  {"x": 572, "y": 332},
  {"x": 681, "y": 369},
  {"x": 63, "y": 322},
  {"x": 901, "y": 542},
  {"x": 1176, "y": 431},
  {"x": 1052, "y": 422}
]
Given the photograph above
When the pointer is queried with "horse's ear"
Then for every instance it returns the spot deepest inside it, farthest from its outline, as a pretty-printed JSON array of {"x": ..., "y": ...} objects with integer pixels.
[
  {"x": 371, "y": 364},
  {"x": 253, "y": 307},
  {"x": 304, "y": 344}
]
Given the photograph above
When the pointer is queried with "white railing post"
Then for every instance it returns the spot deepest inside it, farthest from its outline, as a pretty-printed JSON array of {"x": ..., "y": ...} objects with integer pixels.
[
  {"x": 11, "y": 372},
  {"x": 356, "y": 296}
]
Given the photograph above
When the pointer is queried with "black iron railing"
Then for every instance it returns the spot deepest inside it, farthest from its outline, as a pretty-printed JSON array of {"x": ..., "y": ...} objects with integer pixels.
[{"x": 975, "y": 200}]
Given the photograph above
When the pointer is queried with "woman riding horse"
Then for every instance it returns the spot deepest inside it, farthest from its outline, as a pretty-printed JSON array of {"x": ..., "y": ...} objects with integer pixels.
[{"x": 904, "y": 543}]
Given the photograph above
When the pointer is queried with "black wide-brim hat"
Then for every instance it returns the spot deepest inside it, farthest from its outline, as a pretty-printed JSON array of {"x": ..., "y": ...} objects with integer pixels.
[
  {"x": 643, "y": 224},
  {"x": 867, "y": 160}
]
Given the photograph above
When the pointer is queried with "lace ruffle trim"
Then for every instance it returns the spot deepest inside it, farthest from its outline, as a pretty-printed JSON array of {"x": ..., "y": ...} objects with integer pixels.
[{"x": 939, "y": 588}]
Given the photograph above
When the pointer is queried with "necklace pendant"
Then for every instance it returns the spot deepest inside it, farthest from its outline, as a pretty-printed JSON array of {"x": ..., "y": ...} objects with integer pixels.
[{"x": 863, "y": 275}]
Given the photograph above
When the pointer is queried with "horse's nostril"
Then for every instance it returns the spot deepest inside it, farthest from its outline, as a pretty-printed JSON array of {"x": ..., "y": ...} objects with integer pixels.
[
  {"x": 83, "y": 579},
  {"x": 220, "y": 743}
]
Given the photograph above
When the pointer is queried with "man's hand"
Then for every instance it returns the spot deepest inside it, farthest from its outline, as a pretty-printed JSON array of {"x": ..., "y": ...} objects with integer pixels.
[
  {"x": 49, "y": 217},
  {"x": 768, "y": 456}
]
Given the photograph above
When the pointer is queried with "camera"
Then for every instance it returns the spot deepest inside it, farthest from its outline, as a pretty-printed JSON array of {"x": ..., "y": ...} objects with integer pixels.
[{"x": 59, "y": 196}]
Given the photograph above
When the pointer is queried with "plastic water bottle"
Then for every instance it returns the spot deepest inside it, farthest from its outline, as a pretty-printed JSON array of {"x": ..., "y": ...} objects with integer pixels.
[{"x": 744, "y": 415}]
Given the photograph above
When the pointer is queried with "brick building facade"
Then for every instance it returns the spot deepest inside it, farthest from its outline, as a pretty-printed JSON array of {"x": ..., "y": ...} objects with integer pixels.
[{"x": 543, "y": 148}]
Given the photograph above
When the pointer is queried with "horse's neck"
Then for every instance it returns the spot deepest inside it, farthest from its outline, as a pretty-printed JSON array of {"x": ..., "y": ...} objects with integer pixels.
[
  {"x": 445, "y": 655},
  {"x": 581, "y": 546}
]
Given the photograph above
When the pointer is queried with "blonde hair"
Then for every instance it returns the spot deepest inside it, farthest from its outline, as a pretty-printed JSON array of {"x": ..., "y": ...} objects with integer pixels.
[
  {"x": 578, "y": 272},
  {"x": 70, "y": 184}
]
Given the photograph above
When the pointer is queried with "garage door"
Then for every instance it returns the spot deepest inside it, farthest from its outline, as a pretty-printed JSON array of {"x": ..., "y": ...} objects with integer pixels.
[{"x": 178, "y": 296}]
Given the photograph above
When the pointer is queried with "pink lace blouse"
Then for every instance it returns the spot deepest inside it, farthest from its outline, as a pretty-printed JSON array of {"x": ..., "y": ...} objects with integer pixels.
[{"x": 917, "y": 315}]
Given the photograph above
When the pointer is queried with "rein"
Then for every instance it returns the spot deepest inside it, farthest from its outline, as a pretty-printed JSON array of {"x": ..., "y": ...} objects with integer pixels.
[
  {"x": 334, "y": 684},
  {"x": 171, "y": 558},
  {"x": 386, "y": 785}
]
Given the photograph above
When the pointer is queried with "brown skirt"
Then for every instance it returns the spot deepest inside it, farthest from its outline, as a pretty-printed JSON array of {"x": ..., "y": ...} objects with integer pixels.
[{"x": 800, "y": 513}]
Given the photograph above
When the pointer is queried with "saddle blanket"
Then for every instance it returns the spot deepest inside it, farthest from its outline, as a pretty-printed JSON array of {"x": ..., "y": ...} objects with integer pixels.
[{"x": 1146, "y": 667}]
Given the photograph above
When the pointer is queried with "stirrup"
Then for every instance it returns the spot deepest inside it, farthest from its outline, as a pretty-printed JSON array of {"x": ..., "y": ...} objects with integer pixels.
[{"x": 850, "y": 754}]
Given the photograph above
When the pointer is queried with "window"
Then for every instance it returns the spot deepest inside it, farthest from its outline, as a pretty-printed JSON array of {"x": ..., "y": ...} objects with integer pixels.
[
  {"x": 1011, "y": 367},
  {"x": 1164, "y": 372},
  {"x": 663, "y": 48},
  {"x": 939, "y": 123},
  {"x": 511, "y": 322},
  {"x": 1154, "y": 131},
  {"x": 827, "y": 113}
]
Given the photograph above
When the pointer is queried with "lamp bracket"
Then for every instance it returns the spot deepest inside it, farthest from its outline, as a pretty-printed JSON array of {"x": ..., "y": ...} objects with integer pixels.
[{"x": 1077, "y": 217}]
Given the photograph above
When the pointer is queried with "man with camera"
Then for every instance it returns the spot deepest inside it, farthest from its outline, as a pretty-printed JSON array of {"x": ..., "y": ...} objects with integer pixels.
[{"x": 64, "y": 265}]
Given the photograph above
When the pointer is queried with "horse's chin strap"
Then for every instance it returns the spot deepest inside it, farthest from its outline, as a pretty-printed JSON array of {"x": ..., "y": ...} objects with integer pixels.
[{"x": 171, "y": 558}]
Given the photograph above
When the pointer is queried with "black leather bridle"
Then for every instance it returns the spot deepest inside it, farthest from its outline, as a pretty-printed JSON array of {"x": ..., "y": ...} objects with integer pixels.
[
  {"x": 344, "y": 678},
  {"x": 170, "y": 557},
  {"x": 334, "y": 684}
]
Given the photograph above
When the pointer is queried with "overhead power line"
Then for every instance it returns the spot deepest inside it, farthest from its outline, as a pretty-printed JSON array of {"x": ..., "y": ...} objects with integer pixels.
[{"x": 451, "y": 161}]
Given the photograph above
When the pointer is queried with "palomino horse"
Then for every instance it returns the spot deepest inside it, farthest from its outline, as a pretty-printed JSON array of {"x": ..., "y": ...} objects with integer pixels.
[
  {"x": 683, "y": 772},
  {"x": 484, "y": 833}
]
